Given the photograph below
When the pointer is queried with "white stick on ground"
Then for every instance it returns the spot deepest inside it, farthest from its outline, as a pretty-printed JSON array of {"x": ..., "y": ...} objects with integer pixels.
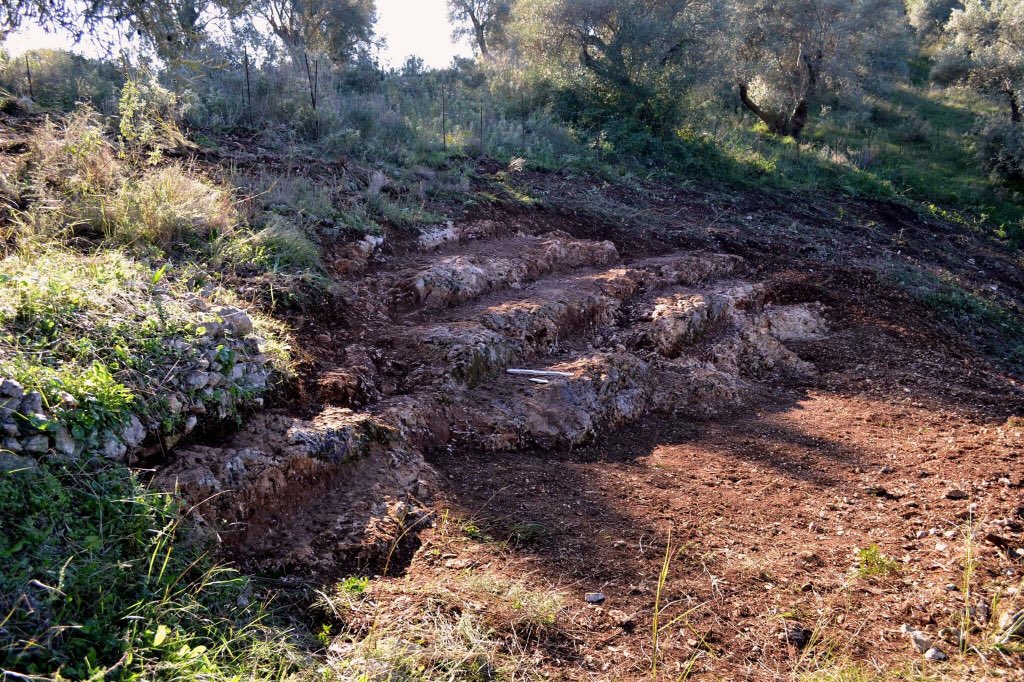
[{"x": 538, "y": 373}]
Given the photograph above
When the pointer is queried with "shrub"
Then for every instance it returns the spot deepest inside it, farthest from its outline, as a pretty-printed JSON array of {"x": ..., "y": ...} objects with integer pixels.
[
  {"x": 149, "y": 116},
  {"x": 1000, "y": 149},
  {"x": 75, "y": 159}
]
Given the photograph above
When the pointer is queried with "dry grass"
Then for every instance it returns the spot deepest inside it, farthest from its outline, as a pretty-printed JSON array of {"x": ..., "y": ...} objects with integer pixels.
[{"x": 478, "y": 626}]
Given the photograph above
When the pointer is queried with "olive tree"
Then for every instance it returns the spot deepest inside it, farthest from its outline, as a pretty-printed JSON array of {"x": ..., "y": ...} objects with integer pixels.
[
  {"x": 636, "y": 56},
  {"x": 171, "y": 27},
  {"x": 985, "y": 50},
  {"x": 335, "y": 28},
  {"x": 929, "y": 17},
  {"x": 787, "y": 54},
  {"x": 482, "y": 20}
]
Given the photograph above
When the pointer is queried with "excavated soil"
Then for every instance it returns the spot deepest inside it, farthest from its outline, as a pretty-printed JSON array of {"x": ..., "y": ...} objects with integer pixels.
[{"x": 769, "y": 410}]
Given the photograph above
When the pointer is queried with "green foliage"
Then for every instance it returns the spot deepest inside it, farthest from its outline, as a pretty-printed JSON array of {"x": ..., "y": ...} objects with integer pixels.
[
  {"x": 62, "y": 79},
  {"x": 872, "y": 562},
  {"x": 1001, "y": 150},
  {"x": 96, "y": 583},
  {"x": 96, "y": 338},
  {"x": 353, "y": 585},
  {"x": 278, "y": 246},
  {"x": 148, "y": 115}
]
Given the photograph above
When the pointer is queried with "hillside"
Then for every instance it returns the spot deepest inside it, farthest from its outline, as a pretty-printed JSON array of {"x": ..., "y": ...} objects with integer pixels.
[
  {"x": 769, "y": 426},
  {"x": 656, "y": 340}
]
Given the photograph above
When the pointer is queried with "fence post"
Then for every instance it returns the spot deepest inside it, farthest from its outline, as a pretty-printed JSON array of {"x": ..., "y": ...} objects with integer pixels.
[
  {"x": 28, "y": 72},
  {"x": 248, "y": 87},
  {"x": 313, "y": 78},
  {"x": 522, "y": 105}
]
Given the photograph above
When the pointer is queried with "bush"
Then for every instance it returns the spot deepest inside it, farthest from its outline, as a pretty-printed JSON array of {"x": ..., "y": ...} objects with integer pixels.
[
  {"x": 75, "y": 159},
  {"x": 1001, "y": 149}
]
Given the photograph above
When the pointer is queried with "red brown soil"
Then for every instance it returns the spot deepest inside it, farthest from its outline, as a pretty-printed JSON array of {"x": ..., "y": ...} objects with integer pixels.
[
  {"x": 765, "y": 509},
  {"x": 766, "y": 506}
]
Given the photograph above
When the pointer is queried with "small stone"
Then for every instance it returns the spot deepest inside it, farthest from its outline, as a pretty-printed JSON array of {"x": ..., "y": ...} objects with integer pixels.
[
  {"x": 67, "y": 400},
  {"x": 64, "y": 443},
  {"x": 595, "y": 597},
  {"x": 134, "y": 432},
  {"x": 622, "y": 619},
  {"x": 191, "y": 423},
  {"x": 324, "y": 338},
  {"x": 236, "y": 320},
  {"x": 37, "y": 444},
  {"x": 941, "y": 547},
  {"x": 198, "y": 380},
  {"x": 921, "y": 641},
  {"x": 934, "y": 655},
  {"x": 458, "y": 564},
  {"x": 32, "y": 403},
  {"x": 11, "y": 462},
  {"x": 12, "y": 444},
  {"x": 113, "y": 448},
  {"x": 956, "y": 495},
  {"x": 11, "y": 388},
  {"x": 797, "y": 635},
  {"x": 174, "y": 404}
]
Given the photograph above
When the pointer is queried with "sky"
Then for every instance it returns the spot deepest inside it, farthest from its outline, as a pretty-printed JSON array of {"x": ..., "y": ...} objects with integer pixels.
[{"x": 417, "y": 27}]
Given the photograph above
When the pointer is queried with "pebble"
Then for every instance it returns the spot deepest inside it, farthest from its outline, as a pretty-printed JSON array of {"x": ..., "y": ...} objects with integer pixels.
[
  {"x": 595, "y": 597},
  {"x": 921, "y": 641},
  {"x": 236, "y": 320},
  {"x": 797, "y": 635},
  {"x": 11, "y": 388},
  {"x": 935, "y": 655},
  {"x": 956, "y": 495}
]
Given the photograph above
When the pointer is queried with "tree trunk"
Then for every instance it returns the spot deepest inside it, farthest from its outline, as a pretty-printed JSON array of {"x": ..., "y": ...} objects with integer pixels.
[
  {"x": 780, "y": 124},
  {"x": 1016, "y": 117},
  {"x": 481, "y": 37}
]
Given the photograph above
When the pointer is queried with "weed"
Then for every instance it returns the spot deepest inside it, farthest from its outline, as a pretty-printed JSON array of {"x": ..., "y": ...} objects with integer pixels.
[
  {"x": 526, "y": 533},
  {"x": 353, "y": 585},
  {"x": 872, "y": 562},
  {"x": 166, "y": 207},
  {"x": 436, "y": 628},
  {"x": 473, "y": 532},
  {"x": 278, "y": 246}
]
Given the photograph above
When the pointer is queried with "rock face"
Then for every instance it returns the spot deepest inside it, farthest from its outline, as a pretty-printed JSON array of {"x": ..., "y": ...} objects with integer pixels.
[{"x": 608, "y": 342}]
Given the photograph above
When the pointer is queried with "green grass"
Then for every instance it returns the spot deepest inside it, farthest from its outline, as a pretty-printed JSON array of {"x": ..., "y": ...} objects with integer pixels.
[
  {"x": 992, "y": 326},
  {"x": 101, "y": 336},
  {"x": 98, "y": 581}
]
